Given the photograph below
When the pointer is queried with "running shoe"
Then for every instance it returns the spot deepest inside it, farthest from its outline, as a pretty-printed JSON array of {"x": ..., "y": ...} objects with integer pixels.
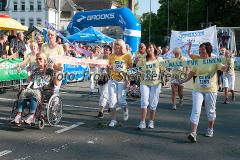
[
  {"x": 192, "y": 137},
  {"x": 142, "y": 125},
  {"x": 112, "y": 123}
]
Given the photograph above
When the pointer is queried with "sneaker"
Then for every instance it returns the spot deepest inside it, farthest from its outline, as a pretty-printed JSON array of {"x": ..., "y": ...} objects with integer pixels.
[
  {"x": 125, "y": 116},
  {"x": 192, "y": 137},
  {"x": 209, "y": 132},
  {"x": 30, "y": 119},
  {"x": 151, "y": 124},
  {"x": 90, "y": 93},
  {"x": 174, "y": 107},
  {"x": 142, "y": 125},
  {"x": 112, "y": 123},
  {"x": 226, "y": 101},
  {"x": 100, "y": 115},
  {"x": 181, "y": 102},
  {"x": 17, "y": 119}
]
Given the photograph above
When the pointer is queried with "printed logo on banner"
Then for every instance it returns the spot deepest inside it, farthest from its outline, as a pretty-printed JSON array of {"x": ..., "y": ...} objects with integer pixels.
[
  {"x": 100, "y": 16},
  {"x": 181, "y": 38},
  {"x": 81, "y": 18}
]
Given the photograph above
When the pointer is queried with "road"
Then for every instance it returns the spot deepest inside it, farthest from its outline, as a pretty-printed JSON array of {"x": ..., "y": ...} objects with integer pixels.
[{"x": 80, "y": 135}]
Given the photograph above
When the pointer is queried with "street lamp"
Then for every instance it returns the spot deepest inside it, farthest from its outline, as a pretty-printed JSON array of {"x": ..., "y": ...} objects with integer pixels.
[
  {"x": 187, "y": 13},
  {"x": 150, "y": 23}
]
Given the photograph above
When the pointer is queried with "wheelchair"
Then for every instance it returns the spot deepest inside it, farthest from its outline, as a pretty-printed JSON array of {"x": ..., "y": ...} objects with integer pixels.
[{"x": 48, "y": 110}]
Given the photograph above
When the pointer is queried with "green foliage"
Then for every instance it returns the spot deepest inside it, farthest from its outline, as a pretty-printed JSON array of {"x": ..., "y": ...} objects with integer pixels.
[{"x": 221, "y": 13}]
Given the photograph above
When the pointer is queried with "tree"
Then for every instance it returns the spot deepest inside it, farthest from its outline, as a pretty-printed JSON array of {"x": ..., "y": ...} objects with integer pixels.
[
  {"x": 223, "y": 14},
  {"x": 124, "y": 3}
]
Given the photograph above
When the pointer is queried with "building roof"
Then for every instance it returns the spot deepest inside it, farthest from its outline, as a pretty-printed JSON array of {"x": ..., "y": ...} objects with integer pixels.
[
  {"x": 65, "y": 5},
  {"x": 93, "y": 4}
]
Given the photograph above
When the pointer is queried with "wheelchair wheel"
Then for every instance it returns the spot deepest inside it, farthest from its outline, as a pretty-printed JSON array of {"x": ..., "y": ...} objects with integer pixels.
[
  {"x": 14, "y": 111},
  {"x": 54, "y": 110},
  {"x": 41, "y": 123}
]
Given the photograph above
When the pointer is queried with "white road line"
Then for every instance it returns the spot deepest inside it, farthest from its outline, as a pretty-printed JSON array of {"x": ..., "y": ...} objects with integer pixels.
[
  {"x": 7, "y": 99},
  {"x": 4, "y": 118},
  {"x": 80, "y": 107},
  {"x": 5, "y": 152},
  {"x": 70, "y": 127}
]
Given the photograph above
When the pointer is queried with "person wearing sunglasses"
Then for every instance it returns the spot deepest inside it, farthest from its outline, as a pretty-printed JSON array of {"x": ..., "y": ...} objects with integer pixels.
[
  {"x": 52, "y": 48},
  {"x": 42, "y": 79}
]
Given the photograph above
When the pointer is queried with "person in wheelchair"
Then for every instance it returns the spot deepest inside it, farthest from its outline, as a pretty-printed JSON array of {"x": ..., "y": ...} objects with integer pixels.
[{"x": 41, "y": 80}]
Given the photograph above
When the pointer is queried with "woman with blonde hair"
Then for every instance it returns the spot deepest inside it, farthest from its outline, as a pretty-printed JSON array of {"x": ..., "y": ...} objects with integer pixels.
[
  {"x": 177, "y": 73},
  {"x": 52, "y": 48},
  {"x": 30, "y": 59},
  {"x": 119, "y": 62}
]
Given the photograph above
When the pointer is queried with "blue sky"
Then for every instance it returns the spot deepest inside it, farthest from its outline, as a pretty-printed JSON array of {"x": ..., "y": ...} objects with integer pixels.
[{"x": 144, "y": 6}]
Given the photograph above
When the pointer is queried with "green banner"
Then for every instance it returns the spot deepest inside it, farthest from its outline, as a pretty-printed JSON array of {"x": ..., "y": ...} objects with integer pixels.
[{"x": 8, "y": 70}]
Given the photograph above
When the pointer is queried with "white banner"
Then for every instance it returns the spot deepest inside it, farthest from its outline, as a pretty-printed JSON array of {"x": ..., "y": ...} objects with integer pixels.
[{"x": 181, "y": 38}]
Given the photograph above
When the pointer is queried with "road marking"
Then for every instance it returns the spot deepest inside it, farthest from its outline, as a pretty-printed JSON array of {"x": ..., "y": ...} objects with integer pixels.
[
  {"x": 4, "y": 118},
  {"x": 7, "y": 99},
  {"x": 70, "y": 127},
  {"x": 23, "y": 158},
  {"x": 80, "y": 107},
  {"x": 5, "y": 152}
]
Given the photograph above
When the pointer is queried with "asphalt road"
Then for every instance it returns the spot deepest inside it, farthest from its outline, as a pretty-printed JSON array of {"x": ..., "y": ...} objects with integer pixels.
[{"x": 80, "y": 135}]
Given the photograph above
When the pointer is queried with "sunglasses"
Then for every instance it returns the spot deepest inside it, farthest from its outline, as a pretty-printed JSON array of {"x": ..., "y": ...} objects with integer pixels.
[
  {"x": 51, "y": 35},
  {"x": 39, "y": 59}
]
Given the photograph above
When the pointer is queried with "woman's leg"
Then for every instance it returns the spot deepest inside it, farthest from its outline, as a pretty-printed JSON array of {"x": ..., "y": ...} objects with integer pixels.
[
  {"x": 103, "y": 100},
  {"x": 33, "y": 105},
  {"x": 112, "y": 90},
  {"x": 121, "y": 98},
  {"x": 153, "y": 100},
  {"x": 174, "y": 88},
  {"x": 21, "y": 105},
  {"x": 210, "y": 105},
  {"x": 145, "y": 91},
  {"x": 197, "y": 98}
]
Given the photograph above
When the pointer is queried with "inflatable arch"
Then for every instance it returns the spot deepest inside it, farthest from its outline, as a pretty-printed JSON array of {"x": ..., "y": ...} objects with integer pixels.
[{"x": 122, "y": 17}]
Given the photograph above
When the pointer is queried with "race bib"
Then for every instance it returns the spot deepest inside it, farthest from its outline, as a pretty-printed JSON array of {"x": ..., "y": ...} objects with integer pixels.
[
  {"x": 119, "y": 66},
  {"x": 204, "y": 81},
  {"x": 40, "y": 82}
]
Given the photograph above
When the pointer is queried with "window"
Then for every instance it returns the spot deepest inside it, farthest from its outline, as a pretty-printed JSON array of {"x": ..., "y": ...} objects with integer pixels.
[
  {"x": 15, "y": 4},
  {"x": 1, "y": 8},
  {"x": 39, "y": 21},
  {"x": 23, "y": 5},
  {"x": 39, "y": 5},
  {"x": 31, "y": 22},
  {"x": 31, "y": 5},
  {"x": 22, "y": 21}
]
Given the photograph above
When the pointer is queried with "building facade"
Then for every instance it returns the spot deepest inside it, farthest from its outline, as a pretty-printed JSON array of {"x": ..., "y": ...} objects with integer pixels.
[{"x": 35, "y": 12}]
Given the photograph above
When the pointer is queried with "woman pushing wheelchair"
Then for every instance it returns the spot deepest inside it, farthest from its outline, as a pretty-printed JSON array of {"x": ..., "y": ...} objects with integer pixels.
[{"x": 42, "y": 80}]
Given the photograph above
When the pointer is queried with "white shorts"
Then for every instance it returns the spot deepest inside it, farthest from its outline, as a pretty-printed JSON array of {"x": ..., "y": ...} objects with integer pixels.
[
  {"x": 103, "y": 100},
  {"x": 117, "y": 94},
  {"x": 210, "y": 105},
  {"x": 228, "y": 81},
  {"x": 150, "y": 96}
]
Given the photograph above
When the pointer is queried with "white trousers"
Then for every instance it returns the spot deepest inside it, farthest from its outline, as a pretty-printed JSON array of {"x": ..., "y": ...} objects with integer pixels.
[
  {"x": 103, "y": 100},
  {"x": 92, "y": 82},
  {"x": 228, "y": 81},
  {"x": 117, "y": 94},
  {"x": 210, "y": 105},
  {"x": 150, "y": 96}
]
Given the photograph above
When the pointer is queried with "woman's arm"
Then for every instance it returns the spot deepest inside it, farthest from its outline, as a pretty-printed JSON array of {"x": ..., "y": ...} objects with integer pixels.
[
  {"x": 192, "y": 56},
  {"x": 190, "y": 75}
]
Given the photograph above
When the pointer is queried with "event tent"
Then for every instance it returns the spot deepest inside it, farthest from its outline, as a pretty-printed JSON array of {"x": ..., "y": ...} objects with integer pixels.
[
  {"x": 7, "y": 23},
  {"x": 90, "y": 35}
]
